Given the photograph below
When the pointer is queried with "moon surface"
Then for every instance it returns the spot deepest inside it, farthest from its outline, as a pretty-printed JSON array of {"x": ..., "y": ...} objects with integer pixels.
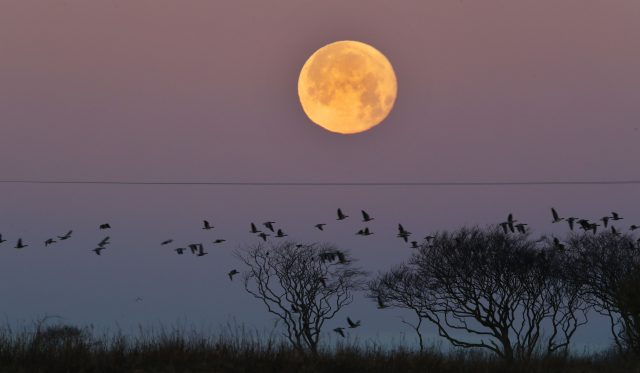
[{"x": 347, "y": 87}]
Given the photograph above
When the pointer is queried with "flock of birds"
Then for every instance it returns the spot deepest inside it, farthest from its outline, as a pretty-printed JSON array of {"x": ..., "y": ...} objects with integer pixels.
[{"x": 510, "y": 225}]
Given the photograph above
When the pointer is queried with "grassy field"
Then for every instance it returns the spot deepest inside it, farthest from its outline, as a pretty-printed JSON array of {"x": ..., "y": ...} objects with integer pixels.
[{"x": 60, "y": 348}]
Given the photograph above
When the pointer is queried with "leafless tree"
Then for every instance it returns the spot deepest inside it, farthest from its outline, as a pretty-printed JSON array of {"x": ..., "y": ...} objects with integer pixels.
[
  {"x": 483, "y": 288},
  {"x": 608, "y": 267},
  {"x": 302, "y": 285}
]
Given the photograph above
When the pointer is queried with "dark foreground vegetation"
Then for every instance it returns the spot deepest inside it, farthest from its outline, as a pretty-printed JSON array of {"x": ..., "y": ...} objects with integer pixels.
[{"x": 62, "y": 348}]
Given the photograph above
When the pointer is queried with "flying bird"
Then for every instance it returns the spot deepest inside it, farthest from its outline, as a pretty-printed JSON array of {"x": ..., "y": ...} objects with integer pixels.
[
  {"x": 320, "y": 226},
  {"x": 180, "y": 250},
  {"x": 2, "y": 240},
  {"x": 521, "y": 228},
  {"x": 632, "y": 227},
  {"x": 352, "y": 324},
  {"x": 269, "y": 225},
  {"x": 571, "y": 220},
  {"x": 105, "y": 226},
  {"x": 20, "y": 244},
  {"x": 556, "y": 217},
  {"x": 166, "y": 242},
  {"x": 219, "y": 240},
  {"x": 281, "y": 234},
  {"x": 558, "y": 245},
  {"x": 66, "y": 236},
  {"x": 403, "y": 233},
  {"x": 201, "y": 251},
  {"x": 105, "y": 241},
  {"x": 605, "y": 220},
  {"x": 615, "y": 216},
  {"x": 367, "y": 232},
  {"x": 254, "y": 229},
  {"x": 97, "y": 250},
  {"x": 194, "y": 248},
  {"x": 414, "y": 244},
  {"x": 614, "y": 231},
  {"x": 206, "y": 225},
  {"x": 339, "y": 331},
  {"x": 263, "y": 236},
  {"x": 341, "y": 216},
  {"x": 366, "y": 217},
  {"x": 49, "y": 241},
  {"x": 232, "y": 273}
]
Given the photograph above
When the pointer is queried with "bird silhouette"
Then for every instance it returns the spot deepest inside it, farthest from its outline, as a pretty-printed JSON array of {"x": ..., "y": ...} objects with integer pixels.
[
  {"x": 193, "y": 247},
  {"x": 352, "y": 324},
  {"x": 341, "y": 216},
  {"x": 521, "y": 228},
  {"x": 570, "y": 221},
  {"x": 403, "y": 233},
  {"x": 97, "y": 250},
  {"x": 269, "y": 225},
  {"x": 505, "y": 227},
  {"x": 1, "y": 239},
  {"x": 20, "y": 244},
  {"x": 381, "y": 304},
  {"x": 206, "y": 225},
  {"x": 254, "y": 229},
  {"x": 281, "y": 234},
  {"x": 605, "y": 220},
  {"x": 556, "y": 217},
  {"x": 633, "y": 227},
  {"x": 414, "y": 244},
  {"x": 219, "y": 240},
  {"x": 166, "y": 242},
  {"x": 49, "y": 241},
  {"x": 201, "y": 251},
  {"x": 104, "y": 242},
  {"x": 366, "y": 217},
  {"x": 615, "y": 216},
  {"x": 557, "y": 244},
  {"x": 320, "y": 226},
  {"x": 180, "y": 250},
  {"x": 367, "y": 232},
  {"x": 339, "y": 331},
  {"x": 614, "y": 231},
  {"x": 263, "y": 236},
  {"x": 232, "y": 273},
  {"x": 360, "y": 232},
  {"x": 66, "y": 236},
  {"x": 105, "y": 226}
]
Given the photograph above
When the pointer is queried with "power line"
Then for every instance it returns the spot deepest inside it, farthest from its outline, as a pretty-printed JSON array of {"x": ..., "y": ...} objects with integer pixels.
[{"x": 330, "y": 184}]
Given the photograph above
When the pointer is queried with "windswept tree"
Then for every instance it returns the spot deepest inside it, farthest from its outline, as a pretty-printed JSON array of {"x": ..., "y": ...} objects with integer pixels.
[
  {"x": 487, "y": 289},
  {"x": 608, "y": 267},
  {"x": 302, "y": 285}
]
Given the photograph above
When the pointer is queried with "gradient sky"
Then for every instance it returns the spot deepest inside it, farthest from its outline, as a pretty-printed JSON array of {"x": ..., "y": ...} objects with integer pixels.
[{"x": 207, "y": 91}]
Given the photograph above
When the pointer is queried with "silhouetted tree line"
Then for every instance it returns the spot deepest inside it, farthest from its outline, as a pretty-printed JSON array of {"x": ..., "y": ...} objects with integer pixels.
[{"x": 483, "y": 288}]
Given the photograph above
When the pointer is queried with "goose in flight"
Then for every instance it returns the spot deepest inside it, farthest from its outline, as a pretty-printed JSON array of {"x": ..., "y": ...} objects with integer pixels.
[
  {"x": 557, "y": 244},
  {"x": 521, "y": 227},
  {"x": 263, "y": 236},
  {"x": 20, "y": 244},
  {"x": 232, "y": 273},
  {"x": 66, "y": 236},
  {"x": 320, "y": 226},
  {"x": 505, "y": 227},
  {"x": 614, "y": 231},
  {"x": 97, "y": 250},
  {"x": 632, "y": 227},
  {"x": 206, "y": 225},
  {"x": 201, "y": 251},
  {"x": 352, "y": 324},
  {"x": 1, "y": 239},
  {"x": 341, "y": 216},
  {"x": 269, "y": 225},
  {"x": 556, "y": 217},
  {"x": 605, "y": 220},
  {"x": 166, "y": 242},
  {"x": 403, "y": 233},
  {"x": 281, "y": 234},
  {"x": 254, "y": 229},
  {"x": 339, "y": 331},
  {"x": 180, "y": 250},
  {"x": 49, "y": 241},
  {"x": 194, "y": 248},
  {"x": 615, "y": 216},
  {"x": 105, "y": 226},
  {"x": 414, "y": 244},
  {"x": 366, "y": 217},
  {"x": 571, "y": 220},
  {"x": 105, "y": 241},
  {"x": 381, "y": 304},
  {"x": 360, "y": 232},
  {"x": 367, "y": 232},
  {"x": 219, "y": 240}
]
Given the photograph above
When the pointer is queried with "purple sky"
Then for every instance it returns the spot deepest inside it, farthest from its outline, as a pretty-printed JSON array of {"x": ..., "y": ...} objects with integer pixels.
[{"x": 207, "y": 91}]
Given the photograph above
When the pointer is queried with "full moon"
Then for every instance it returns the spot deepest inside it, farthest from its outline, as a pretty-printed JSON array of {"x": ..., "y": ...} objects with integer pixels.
[{"x": 347, "y": 87}]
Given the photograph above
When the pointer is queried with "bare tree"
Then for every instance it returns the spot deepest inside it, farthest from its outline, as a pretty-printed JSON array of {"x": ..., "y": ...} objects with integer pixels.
[
  {"x": 302, "y": 285},
  {"x": 483, "y": 288},
  {"x": 607, "y": 265}
]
